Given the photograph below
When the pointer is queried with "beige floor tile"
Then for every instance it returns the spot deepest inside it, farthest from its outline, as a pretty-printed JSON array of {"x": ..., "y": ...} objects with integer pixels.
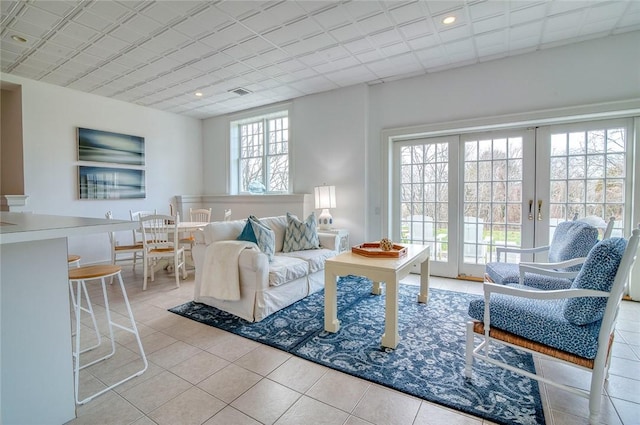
[
  {"x": 107, "y": 409},
  {"x": 565, "y": 374},
  {"x": 231, "y": 347},
  {"x": 266, "y": 401},
  {"x": 354, "y": 420},
  {"x": 230, "y": 382},
  {"x": 152, "y": 342},
  {"x": 231, "y": 416},
  {"x": 199, "y": 367},
  {"x": 629, "y": 412},
  {"x": 625, "y": 367},
  {"x": 339, "y": 390},
  {"x": 624, "y": 351},
  {"x": 205, "y": 337},
  {"x": 154, "y": 392},
  {"x": 192, "y": 407},
  {"x": 623, "y": 388},
  {"x": 144, "y": 421},
  {"x": 152, "y": 370},
  {"x": 565, "y": 401},
  {"x": 263, "y": 359},
  {"x": 173, "y": 354},
  {"x": 309, "y": 411},
  {"x": 298, "y": 374},
  {"x": 384, "y": 406},
  {"x": 432, "y": 414}
]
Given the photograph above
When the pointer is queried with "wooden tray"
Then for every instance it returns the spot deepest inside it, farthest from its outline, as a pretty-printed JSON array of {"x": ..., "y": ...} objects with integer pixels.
[{"x": 372, "y": 249}]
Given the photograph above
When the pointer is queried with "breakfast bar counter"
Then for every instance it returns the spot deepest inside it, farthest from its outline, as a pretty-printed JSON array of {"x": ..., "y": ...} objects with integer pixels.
[{"x": 36, "y": 365}]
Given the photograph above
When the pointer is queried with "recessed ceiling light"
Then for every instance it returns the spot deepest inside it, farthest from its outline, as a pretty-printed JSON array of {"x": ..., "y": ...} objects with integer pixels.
[
  {"x": 18, "y": 39},
  {"x": 198, "y": 94},
  {"x": 448, "y": 20}
]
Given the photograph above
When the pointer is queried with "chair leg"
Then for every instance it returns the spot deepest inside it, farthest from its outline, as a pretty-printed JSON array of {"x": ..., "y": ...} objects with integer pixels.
[
  {"x": 176, "y": 266},
  {"x": 77, "y": 305},
  {"x": 145, "y": 266},
  {"x": 468, "y": 368},
  {"x": 595, "y": 391}
]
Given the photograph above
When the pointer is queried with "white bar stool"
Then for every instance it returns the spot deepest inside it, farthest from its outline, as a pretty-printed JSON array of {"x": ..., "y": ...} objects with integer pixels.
[
  {"x": 80, "y": 276},
  {"x": 74, "y": 261}
]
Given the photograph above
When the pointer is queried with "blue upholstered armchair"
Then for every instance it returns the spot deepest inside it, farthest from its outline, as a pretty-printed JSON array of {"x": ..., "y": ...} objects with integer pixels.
[
  {"x": 571, "y": 242},
  {"x": 574, "y": 325}
]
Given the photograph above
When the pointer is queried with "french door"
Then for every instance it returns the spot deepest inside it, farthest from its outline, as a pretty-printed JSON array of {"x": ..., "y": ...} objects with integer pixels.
[{"x": 465, "y": 195}]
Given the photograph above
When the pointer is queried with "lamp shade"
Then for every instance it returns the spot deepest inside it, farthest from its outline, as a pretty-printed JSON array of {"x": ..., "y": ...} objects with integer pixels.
[{"x": 325, "y": 196}]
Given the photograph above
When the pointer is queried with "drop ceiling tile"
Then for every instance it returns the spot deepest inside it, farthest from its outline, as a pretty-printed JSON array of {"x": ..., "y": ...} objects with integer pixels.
[
  {"x": 527, "y": 43},
  {"x": 335, "y": 65},
  {"x": 7, "y": 58},
  {"x": 460, "y": 22},
  {"x": 260, "y": 23},
  {"x": 439, "y": 7},
  {"x": 143, "y": 24},
  {"x": 529, "y": 14},
  {"x": 235, "y": 32},
  {"x": 279, "y": 36},
  {"x": 530, "y": 30},
  {"x": 559, "y": 36},
  {"x": 566, "y": 22},
  {"x": 395, "y": 49},
  {"x": 349, "y": 77},
  {"x": 130, "y": 61},
  {"x": 111, "y": 44},
  {"x": 274, "y": 55},
  {"x": 347, "y": 32},
  {"x": 82, "y": 57},
  {"x": 29, "y": 72},
  {"x": 362, "y": 9},
  {"x": 62, "y": 39},
  {"x": 213, "y": 62},
  {"x": 629, "y": 22},
  {"x": 257, "y": 45},
  {"x": 383, "y": 38},
  {"x": 370, "y": 56},
  {"x": 57, "y": 50},
  {"x": 491, "y": 39},
  {"x": 110, "y": 10},
  {"x": 407, "y": 13},
  {"x": 59, "y": 8},
  {"x": 312, "y": 59},
  {"x": 605, "y": 12},
  {"x": 335, "y": 52},
  {"x": 204, "y": 23},
  {"x": 14, "y": 46},
  {"x": 286, "y": 11},
  {"x": 485, "y": 9},
  {"x": 190, "y": 52},
  {"x": 79, "y": 31},
  {"x": 39, "y": 17},
  {"x": 237, "y": 52},
  {"x": 92, "y": 21},
  {"x": 96, "y": 50},
  {"x": 559, "y": 7},
  {"x": 375, "y": 23},
  {"x": 358, "y": 46},
  {"x": 162, "y": 65},
  {"x": 332, "y": 17},
  {"x": 423, "y": 42},
  {"x": 292, "y": 65},
  {"x": 416, "y": 29},
  {"x": 239, "y": 9},
  {"x": 160, "y": 12},
  {"x": 605, "y": 26},
  {"x": 456, "y": 33},
  {"x": 166, "y": 41},
  {"x": 216, "y": 42},
  {"x": 29, "y": 29},
  {"x": 35, "y": 63},
  {"x": 490, "y": 24},
  {"x": 303, "y": 28},
  {"x": 125, "y": 33}
]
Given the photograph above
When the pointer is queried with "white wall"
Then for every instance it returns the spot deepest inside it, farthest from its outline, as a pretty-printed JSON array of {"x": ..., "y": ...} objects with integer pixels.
[
  {"x": 328, "y": 133},
  {"x": 51, "y": 115}
]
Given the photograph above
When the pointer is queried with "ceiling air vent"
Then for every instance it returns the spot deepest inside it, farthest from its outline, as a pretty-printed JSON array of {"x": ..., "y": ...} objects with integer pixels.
[{"x": 240, "y": 91}]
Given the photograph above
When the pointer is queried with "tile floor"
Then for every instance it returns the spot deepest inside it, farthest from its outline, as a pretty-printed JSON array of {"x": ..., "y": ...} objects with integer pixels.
[{"x": 201, "y": 375}]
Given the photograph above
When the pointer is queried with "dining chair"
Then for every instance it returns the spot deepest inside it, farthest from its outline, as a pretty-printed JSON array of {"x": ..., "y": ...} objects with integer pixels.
[
  {"x": 159, "y": 233},
  {"x": 124, "y": 253},
  {"x": 135, "y": 216},
  {"x": 202, "y": 215},
  {"x": 571, "y": 240},
  {"x": 573, "y": 326}
]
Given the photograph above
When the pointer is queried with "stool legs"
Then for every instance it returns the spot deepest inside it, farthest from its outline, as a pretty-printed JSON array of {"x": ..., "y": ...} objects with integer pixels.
[
  {"x": 111, "y": 324},
  {"x": 76, "y": 302}
]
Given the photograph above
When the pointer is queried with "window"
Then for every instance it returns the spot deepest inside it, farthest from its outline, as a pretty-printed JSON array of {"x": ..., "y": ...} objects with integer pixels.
[{"x": 261, "y": 145}]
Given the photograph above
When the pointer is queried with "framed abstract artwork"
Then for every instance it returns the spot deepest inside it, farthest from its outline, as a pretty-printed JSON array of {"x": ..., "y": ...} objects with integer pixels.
[
  {"x": 110, "y": 183},
  {"x": 115, "y": 148}
]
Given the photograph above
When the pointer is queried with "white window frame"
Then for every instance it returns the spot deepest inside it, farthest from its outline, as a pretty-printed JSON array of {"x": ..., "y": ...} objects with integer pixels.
[{"x": 277, "y": 111}]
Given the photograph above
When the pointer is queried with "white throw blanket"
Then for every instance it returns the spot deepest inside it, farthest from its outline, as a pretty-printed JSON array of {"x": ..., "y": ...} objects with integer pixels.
[{"x": 220, "y": 274}]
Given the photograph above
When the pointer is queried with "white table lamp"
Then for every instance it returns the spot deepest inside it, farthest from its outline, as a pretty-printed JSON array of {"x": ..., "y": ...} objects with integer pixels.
[{"x": 325, "y": 199}]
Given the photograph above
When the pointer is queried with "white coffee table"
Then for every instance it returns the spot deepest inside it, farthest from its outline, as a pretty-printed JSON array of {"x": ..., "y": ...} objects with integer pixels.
[{"x": 387, "y": 270}]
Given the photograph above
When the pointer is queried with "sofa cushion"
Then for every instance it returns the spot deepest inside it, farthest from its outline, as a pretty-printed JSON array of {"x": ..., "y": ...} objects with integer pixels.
[
  {"x": 284, "y": 269},
  {"x": 300, "y": 235},
  {"x": 247, "y": 233},
  {"x": 315, "y": 257},
  {"x": 264, "y": 236},
  {"x": 598, "y": 273}
]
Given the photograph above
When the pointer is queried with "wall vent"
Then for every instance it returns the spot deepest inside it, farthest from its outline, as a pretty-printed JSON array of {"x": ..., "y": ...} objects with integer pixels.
[{"x": 240, "y": 91}]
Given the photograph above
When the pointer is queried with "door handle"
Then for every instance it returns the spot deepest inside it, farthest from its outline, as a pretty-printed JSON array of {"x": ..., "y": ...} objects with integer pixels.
[
  {"x": 530, "y": 209},
  {"x": 539, "y": 210}
]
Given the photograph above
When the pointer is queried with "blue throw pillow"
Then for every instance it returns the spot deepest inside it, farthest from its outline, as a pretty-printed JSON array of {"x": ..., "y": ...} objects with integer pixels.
[
  {"x": 597, "y": 273},
  {"x": 247, "y": 233},
  {"x": 265, "y": 237},
  {"x": 299, "y": 235}
]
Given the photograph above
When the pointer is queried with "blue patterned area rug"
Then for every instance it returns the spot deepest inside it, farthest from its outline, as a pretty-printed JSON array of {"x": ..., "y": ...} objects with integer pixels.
[{"x": 428, "y": 362}]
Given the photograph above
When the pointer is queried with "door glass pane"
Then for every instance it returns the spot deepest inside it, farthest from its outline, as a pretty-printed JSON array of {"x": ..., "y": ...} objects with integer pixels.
[
  {"x": 493, "y": 181},
  {"x": 593, "y": 180},
  {"x": 424, "y": 186}
]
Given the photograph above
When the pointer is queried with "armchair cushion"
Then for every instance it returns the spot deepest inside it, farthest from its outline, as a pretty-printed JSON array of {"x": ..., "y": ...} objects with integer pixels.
[
  {"x": 538, "y": 281},
  {"x": 572, "y": 239},
  {"x": 541, "y": 321},
  {"x": 597, "y": 273},
  {"x": 301, "y": 235},
  {"x": 503, "y": 273}
]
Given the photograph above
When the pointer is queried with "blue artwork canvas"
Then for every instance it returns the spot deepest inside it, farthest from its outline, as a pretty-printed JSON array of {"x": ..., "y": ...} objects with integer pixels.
[
  {"x": 104, "y": 146},
  {"x": 110, "y": 183}
]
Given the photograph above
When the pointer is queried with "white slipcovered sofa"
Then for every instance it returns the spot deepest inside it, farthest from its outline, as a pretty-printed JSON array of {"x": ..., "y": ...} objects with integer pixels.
[{"x": 265, "y": 287}]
